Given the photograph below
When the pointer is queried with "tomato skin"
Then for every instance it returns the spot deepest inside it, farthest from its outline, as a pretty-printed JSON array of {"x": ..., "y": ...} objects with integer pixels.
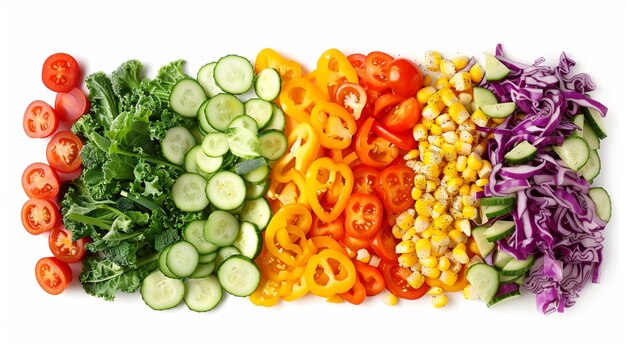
[
  {"x": 60, "y": 72},
  {"x": 364, "y": 215},
  {"x": 40, "y": 120},
  {"x": 72, "y": 105},
  {"x": 376, "y": 67},
  {"x": 404, "y": 116},
  {"x": 386, "y": 103},
  {"x": 365, "y": 179},
  {"x": 334, "y": 229},
  {"x": 404, "y": 140},
  {"x": 357, "y": 294},
  {"x": 405, "y": 77},
  {"x": 395, "y": 281},
  {"x": 39, "y": 216},
  {"x": 376, "y": 151},
  {"x": 63, "y": 152},
  {"x": 384, "y": 244},
  {"x": 394, "y": 187},
  {"x": 40, "y": 181},
  {"x": 358, "y": 62},
  {"x": 53, "y": 275},
  {"x": 371, "y": 278},
  {"x": 63, "y": 247}
]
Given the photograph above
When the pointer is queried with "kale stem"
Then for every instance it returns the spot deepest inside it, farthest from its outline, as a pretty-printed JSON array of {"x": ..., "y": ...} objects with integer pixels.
[{"x": 90, "y": 220}]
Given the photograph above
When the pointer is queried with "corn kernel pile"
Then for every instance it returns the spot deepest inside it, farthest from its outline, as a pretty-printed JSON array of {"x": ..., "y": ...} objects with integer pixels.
[{"x": 449, "y": 171}]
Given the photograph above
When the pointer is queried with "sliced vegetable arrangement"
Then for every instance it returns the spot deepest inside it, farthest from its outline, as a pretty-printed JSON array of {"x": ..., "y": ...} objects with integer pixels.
[{"x": 367, "y": 174}]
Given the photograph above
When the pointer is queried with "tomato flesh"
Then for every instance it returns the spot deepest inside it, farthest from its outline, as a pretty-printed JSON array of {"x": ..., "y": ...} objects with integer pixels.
[
  {"x": 352, "y": 97},
  {"x": 40, "y": 181},
  {"x": 371, "y": 278},
  {"x": 72, "y": 105},
  {"x": 63, "y": 246},
  {"x": 39, "y": 216},
  {"x": 394, "y": 186},
  {"x": 404, "y": 140},
  {"x": 405, "y": 77},
  {"x": 358, "y": 62},
  {"x": 364, "y": 213},
  {"x": 395, "y": 281},
  {"x": 365, "y": 179},
  {"x": 53, "y": 275},
  {"x": 404, "y": 116},
  {"x": 40, "y": 120},
  {"x": 63, "y": 152},
  {"x": 376, "y": 66},
  {"x": 60, "y": 72},
  {"x": 386, "y": 103}
]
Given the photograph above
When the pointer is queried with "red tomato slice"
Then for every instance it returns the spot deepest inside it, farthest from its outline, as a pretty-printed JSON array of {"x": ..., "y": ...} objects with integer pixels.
[
  {"x": 384, "y": 244},
  {"x": 334, "y": 229},
  {"x": 403, "y": 140},
  {"x": 39, "y": 216},
  {"x": 376, "y": 67},
  {"x": 72, "y": 105},
  {"x": 60, "y": 72},
  {"x": 356, "y": 295},
  {"x": 371, "y": 278},
  {"x": 53, "y": 275},
  {"x": 354, "y": 244},
  {"x": 63, "y": 247},
  {"x": 386, "y": 103},
  {"x": 40, "y": 181},
  {"x": 40, "y": 120},
  {"x": 365, "y": 179},
  {"x": 405, "y": 77},
  {"x": 395, "y": 281},
  {"x": 404, "y": 116},
  {"x": 63, "y": 152},
  {"x": 352, "y": 97},
  {"x": 394, "y": 187},
  {"x": 358, "y": 62},
  {"x": 364, "y": 215}
]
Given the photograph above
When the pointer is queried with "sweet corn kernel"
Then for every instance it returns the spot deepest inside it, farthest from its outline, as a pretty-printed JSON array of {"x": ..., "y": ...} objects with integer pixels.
[
  {"x": 450, "y": 138},
  {"x": 469, "y": 293},
  {"x": 474, "y": 161},
  {"x": 407, "y": 259},
  {"x": 439, "y": 208},
  {"x": 441, "y": 195},
  {"x": 470, "y": 212},
  {"x": 443, "y": 222},
  {"x": 415, "y": 280},
  {"x": 456, "y": 267},
  {"x": 375, "y": 261},
  {"x": 448, "y": 277},
  {"x": 396, "y": 232},
  {"x": 457, "y": 236},
  {"x": 431, "y": 172},
  {"x": 441, "y": 83},
  {"x": 439, "y": 239},
  {"x": 429, "y": 113},
  {"x": 485, "y": 169},
  {"x": 428, "y": 122},
  {"x": 429, "y": 198},
  {"x": 449, "y": 152},
  {"x": 416, "y": 193},
  {"x": 435, "y": 290},
  {"x": 428, "y": 80},
  {"x": 498, "y": 120},
  {"x": 476, "y": 72},
  {"x": 431, "y": 272},
  {"x": 422, "y": 208},
  {"x": 454, "y": 185},
  {"x": 447, "y": 68},
  {"x": 464, "y": 190},
  {"x": 432, "y": 60},
  {"x": 468, "y": 200},
  {"x": 420, "y": 132},
  {"x": 469, "y": 175},
  {"x": 465, "y": 227},
  {"x": 428, "y": 232},
  {"x": 462, "y": 81},
  {"x": 410, "y": 234},
  {"x": 439, "y": 301},
  {"x": 461, "y": 161},
  {"x": 482, "y": 182},
  {"x": 442, "y": 118},
  {"x": 422, "y": 248},
  {"x": 466, "y": 137},
  {"x": 424, "y": 93},
  {"x": 473, "y": 247},
  {"x": 435, "y": 101},
  {"x": 475, "y": 189},
  {"x": 465, "y": 99},
  {"x": 475, "y": 259},
  {"x": 430, "y": 261},
  {"x": 448, "y": 126},
  {"x": 449, "y": 170},
  {"x": 405, "y": 246},
  {"x": 411, "y": 155},
  {"x": 436, "y": 129},
  {"x": 362, "y": 255},
  {"x": 390, "y": 300},
  {"x": 457, "y": 203},
  {"x": 443, "y": 263},
  {"x": 404, "y": 221},
  {"x": 479, "y": 118},
  {"x": 460, "y": 255},
  {"x": 448, "y": 96},
  {"x": 458, "y": 112},
  {"x": 421, "y": 223},
  {"x": 436, "y": 141},
  {"x": 460, "y": 62}
]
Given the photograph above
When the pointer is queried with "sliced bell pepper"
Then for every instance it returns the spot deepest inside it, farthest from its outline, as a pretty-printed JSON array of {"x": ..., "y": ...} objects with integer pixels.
[
  {"x": 275, "y": 269},
  {"x": 333, "y": 69},
  {"x": 352, "y": 97},
  {"x": 304, "y": 145},
  {"x": 267, "y": 293},
  {"x": 320, "y": 178},
  {"x": 326, "y": 278},
  {"x": 334, "y": 124},
  {"x": 291, "y": 192},
  {"x": 322, "y": 236},
  {"x": 289, "y": 244},
  {"x": 288, "y": 69},
  {"x": 403, "y": 140},
  {"x": 297, "y": 98},
  {"x": 357, "y": 293},
  {"x": 374, "y": 151},
  {"x": 299, "y": 288}
]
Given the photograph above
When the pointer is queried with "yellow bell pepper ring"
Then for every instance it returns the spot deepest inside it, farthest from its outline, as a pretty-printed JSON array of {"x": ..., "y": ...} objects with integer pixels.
[
  {"x": 321, "y": 178},
  {"x": 287, "y": 69},
  {"x": 326, "y": 278},
  {"x": 303, "y": 147},
  {"x": 333, "y": 69},
  {"x": 334, "y": 124},
  {"x": 297, "y": 98}
]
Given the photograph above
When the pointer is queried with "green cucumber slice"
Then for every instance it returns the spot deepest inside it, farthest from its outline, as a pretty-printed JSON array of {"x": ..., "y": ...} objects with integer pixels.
[
  {"x": 484, "y": 279},
  {"x": 500, "y": 110},
  {"x": 603, "y": 202},
  {"x": 499, "y": 230},
  {"x": 494, "y": 69},
  {"x": 522, "y": 153}
]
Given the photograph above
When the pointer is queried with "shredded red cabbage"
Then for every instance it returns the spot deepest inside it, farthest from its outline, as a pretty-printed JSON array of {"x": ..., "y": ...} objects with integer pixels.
[{"x": 555, "y": 218}]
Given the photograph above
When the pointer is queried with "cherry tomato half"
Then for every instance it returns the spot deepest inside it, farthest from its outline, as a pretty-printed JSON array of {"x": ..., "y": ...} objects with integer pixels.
[
  {"x": 384, "y": 244},
  {"x": 376, "y": 67},
  {"x": 63, "y": 152},
  {"x": 63, "y": 246},
  {"x": 53, "y": 275},
  {"x": 352, "y": 97},
  {"x": 365, "y": 179},
  {"x": 60, "y": 72},
  {"x": 72, "y": 105},
  {"x": 395, "y": 281},
  {"x": 385, "y": 103},
  {"x": 358, "y": 62},
  {"x": 371, "y": 278},
  {"x": 394, "y": 187},
  {"x": 405, "y": 77},
  {"x": 364, "y": 215},
  {"x": 39, "y": 216},
  {"x": 40, "y": 120},
  {"x": 404, "y": 116},
  {"x": 40, "y": 181}
]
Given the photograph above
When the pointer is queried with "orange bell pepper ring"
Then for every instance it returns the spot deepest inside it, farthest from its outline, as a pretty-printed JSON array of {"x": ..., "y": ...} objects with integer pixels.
[
  {"x": 303, "y": 147},
  {"x": 281, "y": 194},
  {"x": 329, "y": 272},
  {"x": 275, "y": 269},
  {"x": 374, "y": 151},
  {"x": 267, "y": 293},
  {"x": 326, "y": 242},
  {"x": 333, "y": 69},
  {"x": 289, "y": 244},
  {"x": 297, "y": 98},
  {"x": 287, "y": 69},
  {"x": 334, "y": 124},
  {"x": 298, "y": 289},
  {"x": 320, "y": 178}
]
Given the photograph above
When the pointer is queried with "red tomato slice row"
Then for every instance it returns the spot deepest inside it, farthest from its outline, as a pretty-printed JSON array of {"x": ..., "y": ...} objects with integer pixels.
[
  {"x": 40, "y": 120},
  {"x": 40, "y": 181},
  {"x": 39, "y": 215},
  {"x": 53, "y": 275},
  {"x": 70, "y": 106},
  {"x": 60, "y": 72},
  {"x": 63, "y": 152},
  {"x": 64, "y": 247}
]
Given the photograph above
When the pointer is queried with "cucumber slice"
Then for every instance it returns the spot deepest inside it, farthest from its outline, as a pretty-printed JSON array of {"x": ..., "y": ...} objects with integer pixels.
[
  {"x": 251, "y": 165},
  {"x": 501, "y": 110},
  {"x": 225, "y": 253},
  {"x": 243, "y": 122},
  {"x": 163, "y": 263},
  {"x": 496, "y": 211},
  {"x": 222, "y": 109},
  {"x": 499, "y": 230},
  {"x": 494, "y": 69},
  {"x": 522, "y": 153},
  {"x": 498, "y": 201},
  {"x": 258, "y": 212},
  {"x": 203, "y": 120},
  {"x": 198, "y": 134},
  {"x": 496, "y": 300},
  {"x": 203, "y": 270},
  {"x": 208, "y": 164},
  {"x": 190, "y": 160},
  {"x": 579, "y": 121},
  {"x": 484, "y": 247},
  {"x": 267, "y": 84},
  {"x": 187, "y": 192},
  {"x": 484, "y": 97},
  {"x": 518, "y": 267},
  {"x": 603, "y": 203},
  {"x": 202, "y": 295},
  {"x": 507, "y": 278},
  {"x": 182, "y": 259},
  {"x": 501, "y": 258},
  {"x": 207, "y": 81},
  {"x": 176, "y": 143},
  {"x": 249, "y": 241},
  {"x": 484, "y": 279},
  {"x": 207, "y": 258},
  {"x": 257, "y": 190},
  {"x": 215, "y": 144},
  {"x": 261, "y": 110},
  {"x": 590, "y": 137},
  {"x": 574, "y": 151},
  {"x": 226, "y": 190},
  {"x": 186, "y": 97},
  {"x": 273, "y": 144},
  {"x": 521, "y": 279},
  {"x": 234, "y": 74},
  {"x": 238, "y": 275},
  {"x": 160, "y": 292},
  {"x": 278, "y": 120},
  {"x": 591, "y": 169},
  {"x": 244, "y": 143},
  {"x": 221, "y": 229},
  {"x": 194, "y": 233},
  {"x": 258, "y": 175},
  {"x": 594, "y": 119}
]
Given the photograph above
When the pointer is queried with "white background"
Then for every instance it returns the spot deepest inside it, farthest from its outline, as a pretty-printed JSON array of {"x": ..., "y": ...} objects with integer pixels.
[{"x": 101, "y": 35}]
